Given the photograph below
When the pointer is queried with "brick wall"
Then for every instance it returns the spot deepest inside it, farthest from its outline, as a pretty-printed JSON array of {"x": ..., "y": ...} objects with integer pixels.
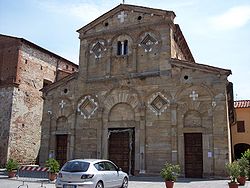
[
  {"x": 25, "y": 69},
  {"x": 8, "y": 60},
  {"x": 5, "y": 118}
]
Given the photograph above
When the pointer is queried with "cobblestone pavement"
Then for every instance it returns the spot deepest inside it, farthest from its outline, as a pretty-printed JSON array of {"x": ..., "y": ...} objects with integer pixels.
[{"x": 135, "y": 182}]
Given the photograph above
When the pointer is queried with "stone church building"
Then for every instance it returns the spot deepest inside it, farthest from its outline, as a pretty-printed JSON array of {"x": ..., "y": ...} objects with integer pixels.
[{"x": 139, "y": 99}]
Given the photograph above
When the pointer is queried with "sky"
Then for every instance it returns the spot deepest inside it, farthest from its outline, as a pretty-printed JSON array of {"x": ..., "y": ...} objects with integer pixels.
[{"x": 217, "y": 31}]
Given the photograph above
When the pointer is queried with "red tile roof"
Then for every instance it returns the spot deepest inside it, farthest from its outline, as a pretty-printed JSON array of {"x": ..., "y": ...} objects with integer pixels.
[{"x": 242, "y": 104}]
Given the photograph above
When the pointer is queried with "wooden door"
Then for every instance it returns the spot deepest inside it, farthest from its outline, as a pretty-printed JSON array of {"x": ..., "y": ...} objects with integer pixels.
[
  {"x": 193, "y": 155},
  {"x": 61, "y": 149},
  {"x": 121, "y": 150}
]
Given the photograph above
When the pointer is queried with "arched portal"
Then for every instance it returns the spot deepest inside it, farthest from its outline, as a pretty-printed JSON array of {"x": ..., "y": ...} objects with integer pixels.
[
  {"x": 121, "y": 137},
  {"x": 239, "y": 149}
]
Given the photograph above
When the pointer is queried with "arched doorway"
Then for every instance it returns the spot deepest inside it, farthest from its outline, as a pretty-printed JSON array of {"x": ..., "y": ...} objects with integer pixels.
[
  {"x": 239, "y": 149},
  {"x": 193, "y": 145},
  {"x": 61, "y": 140},
  {"x": 121, "y": 137},
  {"x": 121, "y": 147}
]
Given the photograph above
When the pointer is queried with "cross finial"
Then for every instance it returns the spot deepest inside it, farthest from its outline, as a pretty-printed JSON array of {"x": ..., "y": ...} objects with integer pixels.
[
  {"x": 193, "y": 95},
  {"x": 123, "y": 1},
  {"x": 62, "y": 103},
  {"x": 122, "y": 16}
]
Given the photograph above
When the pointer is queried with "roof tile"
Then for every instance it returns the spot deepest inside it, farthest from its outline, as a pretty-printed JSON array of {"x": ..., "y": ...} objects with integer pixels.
[{"x": 242, "y": 104}]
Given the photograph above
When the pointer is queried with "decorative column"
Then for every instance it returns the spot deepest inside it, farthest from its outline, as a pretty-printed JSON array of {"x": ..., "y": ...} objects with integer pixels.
[
  {"x": 174, "y": 135},
  {"x": 134, "y": 58},
  {"x": 83, "y": 60},
  {"x": 105, "y": 136},
  {"x": 142, "y": 140},
  {"x": 109, "y": 62}
]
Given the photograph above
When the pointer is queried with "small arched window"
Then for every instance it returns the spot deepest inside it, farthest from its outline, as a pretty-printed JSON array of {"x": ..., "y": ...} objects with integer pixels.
[{"x": 122, "y": 47}]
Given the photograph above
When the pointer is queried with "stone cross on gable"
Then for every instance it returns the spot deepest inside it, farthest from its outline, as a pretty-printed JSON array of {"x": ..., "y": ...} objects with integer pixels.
[
  {"x": 193, "y": 95},
  {"x": 122, "y": 16},
  {"x": 61, "y": 104}
]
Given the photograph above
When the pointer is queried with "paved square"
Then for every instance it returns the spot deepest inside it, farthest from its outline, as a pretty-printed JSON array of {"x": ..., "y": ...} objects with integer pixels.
[{"x": 135, "y": 182}]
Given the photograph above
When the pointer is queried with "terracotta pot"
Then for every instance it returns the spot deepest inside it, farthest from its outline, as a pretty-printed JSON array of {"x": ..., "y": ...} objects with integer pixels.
[
  {"x": 52, "y": 176},
  {"x": 169, "y": 184},
  {"x": 241, "y": 180},
  {"x": 233, "y": 185},
  {"x": 11, "y": 174}
]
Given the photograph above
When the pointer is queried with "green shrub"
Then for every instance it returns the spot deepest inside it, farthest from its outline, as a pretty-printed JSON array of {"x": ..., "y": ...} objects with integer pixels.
[
  {"x": 11, "y": 165},
  {"x": 233, "y": 170},
  {"x": 244, "y": 166},
  {"x": 170, "y": 172},
  {"x": 246, "y": 155},
  {"x": 53, "y": 165}
]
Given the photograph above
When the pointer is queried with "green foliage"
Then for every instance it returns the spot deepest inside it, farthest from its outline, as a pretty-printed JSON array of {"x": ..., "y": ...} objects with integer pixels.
[
  {"x": 246, "y": 155},
  {"x": 233, "y": 170},
  {"x": 244, "y": 166},
  {"x": 170, "y": 172},
  {"x": 53, "y": 165},
  {"x": 11, "y": 165}
]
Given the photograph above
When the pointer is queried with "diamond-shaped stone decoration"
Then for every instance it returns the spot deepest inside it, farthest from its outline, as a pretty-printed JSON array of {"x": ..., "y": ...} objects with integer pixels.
[
  {"x": 97, "y": 49},
  {"x": 158, "y": 103},
  {"x": 148, "y": 42},
  {"x": 87, "y": 107}
]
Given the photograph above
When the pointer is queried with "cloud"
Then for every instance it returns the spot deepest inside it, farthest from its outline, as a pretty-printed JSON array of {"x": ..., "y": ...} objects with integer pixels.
[
  {"x": 234, "y": 18},
  {"x": 183, "y": 4},
  {"x": 166, "y": 5},
  {"x": 86, "y": 12}
]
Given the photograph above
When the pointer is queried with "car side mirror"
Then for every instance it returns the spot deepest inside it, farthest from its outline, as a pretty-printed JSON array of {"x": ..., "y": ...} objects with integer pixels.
[{"x": 119, "y": 169}]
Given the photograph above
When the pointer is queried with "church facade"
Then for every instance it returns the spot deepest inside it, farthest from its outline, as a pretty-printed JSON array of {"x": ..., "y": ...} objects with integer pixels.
[{"x": 139, "y": 99}]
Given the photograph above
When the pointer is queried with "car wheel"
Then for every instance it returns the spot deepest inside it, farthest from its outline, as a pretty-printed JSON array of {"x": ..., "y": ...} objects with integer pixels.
[
  {"x": 125, "y": 183},
  {"x": 99, "y": 185}
]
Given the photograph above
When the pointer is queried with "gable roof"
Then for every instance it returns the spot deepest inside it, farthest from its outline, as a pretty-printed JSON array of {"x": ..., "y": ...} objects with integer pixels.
[
  {"x": 182, "y": 43},
  {"x": 58, "y": 83},
  {"x": 124, "y": 7},
  {"x": 202, "y": 67}
]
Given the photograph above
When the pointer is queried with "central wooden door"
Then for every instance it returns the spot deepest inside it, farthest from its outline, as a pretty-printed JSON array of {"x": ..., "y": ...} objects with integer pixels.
[
  {"x": 61, "y": 149},
  {"x": 193, "y": 155},
  {"x": 121, "y": 149}
]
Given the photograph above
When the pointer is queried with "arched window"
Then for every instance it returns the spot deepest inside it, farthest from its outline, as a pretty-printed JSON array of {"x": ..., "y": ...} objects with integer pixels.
[
  {"x": 239, "y": 149},
  {"x": 122, "y": 47}
]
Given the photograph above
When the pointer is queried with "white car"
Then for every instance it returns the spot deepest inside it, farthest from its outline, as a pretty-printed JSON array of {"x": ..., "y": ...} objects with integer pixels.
[{"x": 91, "y": 173}]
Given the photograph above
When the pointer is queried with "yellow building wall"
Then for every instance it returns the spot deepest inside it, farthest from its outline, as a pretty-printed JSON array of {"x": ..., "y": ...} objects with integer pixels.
[{"x": 242, "y": 114}]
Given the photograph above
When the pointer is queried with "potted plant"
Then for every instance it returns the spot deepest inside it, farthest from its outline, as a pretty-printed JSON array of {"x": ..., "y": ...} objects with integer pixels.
[
  {"x": 54, "y": 167},
  {"x": 246, "y": 155},
  {"x": 11, "y": 167},
  {"x": 243, "y": 163},
  {"x": 169, "y": 173},
  {"x": 233, "y": 170}
]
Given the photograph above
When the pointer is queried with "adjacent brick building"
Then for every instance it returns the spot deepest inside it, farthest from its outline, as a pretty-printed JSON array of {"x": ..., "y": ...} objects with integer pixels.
[
  {"x": 25, "y": 68},
  {"x": 139, "y": 99}
]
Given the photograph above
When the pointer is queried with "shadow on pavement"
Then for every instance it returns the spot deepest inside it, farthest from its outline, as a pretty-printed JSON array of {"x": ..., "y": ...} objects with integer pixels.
[
  {"x": 159, "y": 179},
  {"x": 146, "y": 178}
]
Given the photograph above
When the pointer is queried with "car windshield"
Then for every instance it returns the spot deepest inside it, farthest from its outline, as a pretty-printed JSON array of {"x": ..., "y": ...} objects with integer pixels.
[{"x": 75, "y": 166}]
